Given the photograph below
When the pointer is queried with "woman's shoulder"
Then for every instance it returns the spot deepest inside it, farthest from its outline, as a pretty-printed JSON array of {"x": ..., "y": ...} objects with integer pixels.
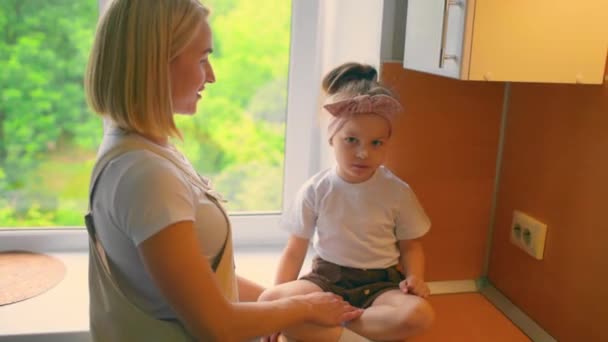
[
  {"x": 141, "y": 168},
  {"x": 141, "y": 159},
  {"x": 133, "y": 153}
]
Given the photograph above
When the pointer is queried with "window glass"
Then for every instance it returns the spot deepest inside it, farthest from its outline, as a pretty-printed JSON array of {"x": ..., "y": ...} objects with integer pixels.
[{"x": 48, "y": 136}]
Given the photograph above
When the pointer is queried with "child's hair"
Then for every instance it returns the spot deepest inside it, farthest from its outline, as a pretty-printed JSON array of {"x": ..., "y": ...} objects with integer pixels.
[
  {"x": 353, "y": 88},
  {"x": 352, "y": 79}
]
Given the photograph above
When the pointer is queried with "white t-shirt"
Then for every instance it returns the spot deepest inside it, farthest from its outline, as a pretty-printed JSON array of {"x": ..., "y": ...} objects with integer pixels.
[
  {"x": 357, "y": 225},
  {"x": 138, "y": 194}
]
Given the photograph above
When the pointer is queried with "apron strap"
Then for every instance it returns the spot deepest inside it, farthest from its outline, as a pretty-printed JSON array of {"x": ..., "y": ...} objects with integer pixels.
[{"x": 133, "y": 144}]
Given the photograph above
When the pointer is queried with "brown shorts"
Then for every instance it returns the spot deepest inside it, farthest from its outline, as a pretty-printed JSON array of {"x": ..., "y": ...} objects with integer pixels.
[{"x": 359, "y": 287}]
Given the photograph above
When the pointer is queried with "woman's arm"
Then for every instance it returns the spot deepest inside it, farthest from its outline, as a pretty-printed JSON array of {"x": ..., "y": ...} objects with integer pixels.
[
  {"x": 249, "y": 291},
  {"x": 291, "y": 259},
  {"x": 178, "y": 267}
]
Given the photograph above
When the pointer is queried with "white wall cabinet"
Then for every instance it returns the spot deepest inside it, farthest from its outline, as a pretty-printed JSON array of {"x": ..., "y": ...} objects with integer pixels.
[{"x": 549, "y": 41}]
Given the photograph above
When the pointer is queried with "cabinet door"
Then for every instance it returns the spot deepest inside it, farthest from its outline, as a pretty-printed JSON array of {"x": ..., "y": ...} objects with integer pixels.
[
  {"x": 561, "y": 41},
  {"x": 434, "y": 35}
]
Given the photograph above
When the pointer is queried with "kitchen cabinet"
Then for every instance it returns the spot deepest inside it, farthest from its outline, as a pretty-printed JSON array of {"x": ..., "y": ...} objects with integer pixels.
[{"x": 549, "y": 41}]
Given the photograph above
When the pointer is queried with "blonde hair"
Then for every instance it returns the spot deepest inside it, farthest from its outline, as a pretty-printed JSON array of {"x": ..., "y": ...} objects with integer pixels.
[
  {"x": 127, "y": 76},
  {"x": 352, "y": 79}
]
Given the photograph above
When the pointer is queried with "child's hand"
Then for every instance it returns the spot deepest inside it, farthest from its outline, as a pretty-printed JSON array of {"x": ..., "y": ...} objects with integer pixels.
[{"x": 414, "y": 285}]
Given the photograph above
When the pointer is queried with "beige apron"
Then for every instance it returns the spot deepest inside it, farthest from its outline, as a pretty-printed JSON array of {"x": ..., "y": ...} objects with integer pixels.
[{"x": 113, "y": 317}]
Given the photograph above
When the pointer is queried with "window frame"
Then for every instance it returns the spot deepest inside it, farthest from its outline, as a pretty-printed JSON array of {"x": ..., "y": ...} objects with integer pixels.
[{"x": 302, "y": 145}]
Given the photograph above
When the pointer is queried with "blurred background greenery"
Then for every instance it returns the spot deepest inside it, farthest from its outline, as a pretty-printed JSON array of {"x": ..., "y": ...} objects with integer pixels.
[{"x": 48, "y": 136}]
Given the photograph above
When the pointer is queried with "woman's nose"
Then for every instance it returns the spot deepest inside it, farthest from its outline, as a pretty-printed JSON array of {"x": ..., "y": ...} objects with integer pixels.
[{"x": 210, "y": 76}]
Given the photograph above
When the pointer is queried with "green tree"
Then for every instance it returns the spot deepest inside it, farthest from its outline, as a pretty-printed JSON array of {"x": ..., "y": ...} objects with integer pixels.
[
  {"x": 48, "y": 136},
  {"x": 243, "y": 114},
  {"x": 43, "y": 49}
]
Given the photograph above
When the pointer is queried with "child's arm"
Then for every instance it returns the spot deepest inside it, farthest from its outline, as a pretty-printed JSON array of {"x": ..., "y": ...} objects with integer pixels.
[
  {"x": 292, "y": 259},
  {"x": 412, "y": 262}
]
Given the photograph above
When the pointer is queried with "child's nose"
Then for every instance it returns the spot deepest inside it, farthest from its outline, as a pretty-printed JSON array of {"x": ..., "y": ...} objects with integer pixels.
[{"x": 361, "y": 153}]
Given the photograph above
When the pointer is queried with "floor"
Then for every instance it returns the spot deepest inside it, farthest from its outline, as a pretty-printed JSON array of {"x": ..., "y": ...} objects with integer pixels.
[
  {"x": 469, "y": 317},
  {"x": 465, "y": 317}
]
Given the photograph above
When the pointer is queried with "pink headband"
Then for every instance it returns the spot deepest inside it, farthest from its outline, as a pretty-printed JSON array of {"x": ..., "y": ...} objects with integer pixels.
[{"x": 341, "y": 111}]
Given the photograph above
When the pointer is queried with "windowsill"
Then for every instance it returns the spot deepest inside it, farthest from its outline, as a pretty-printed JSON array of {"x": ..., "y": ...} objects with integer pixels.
[
  {"x": 63, "y": 310},
  {"x": 62, "y": 313}
]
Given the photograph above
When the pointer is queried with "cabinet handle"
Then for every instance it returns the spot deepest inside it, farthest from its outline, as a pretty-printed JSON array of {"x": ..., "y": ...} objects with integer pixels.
[{"x": 443, "y": 56}]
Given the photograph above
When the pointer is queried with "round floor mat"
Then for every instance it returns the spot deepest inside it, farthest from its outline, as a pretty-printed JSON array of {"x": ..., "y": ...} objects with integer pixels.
[{"x": 25, "y": 275}]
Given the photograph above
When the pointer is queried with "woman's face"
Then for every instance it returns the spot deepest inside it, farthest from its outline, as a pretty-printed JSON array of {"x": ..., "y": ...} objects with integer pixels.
[
  {"x": 191, "y": 70},
  {"x": 360, "y": 146}
]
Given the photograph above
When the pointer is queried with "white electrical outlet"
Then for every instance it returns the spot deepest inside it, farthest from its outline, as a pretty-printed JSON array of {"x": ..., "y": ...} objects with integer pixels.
[{"x": 528, "y": 234}]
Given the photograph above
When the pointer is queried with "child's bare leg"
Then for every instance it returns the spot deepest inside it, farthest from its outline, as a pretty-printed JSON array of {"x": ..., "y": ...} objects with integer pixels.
[
  {"x": 302, "y": 332},
  {"x": 394, "y": 316}
]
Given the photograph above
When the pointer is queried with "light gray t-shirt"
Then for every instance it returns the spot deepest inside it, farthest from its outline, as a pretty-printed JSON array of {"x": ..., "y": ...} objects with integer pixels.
[
  {"x": 138, "y": 194},
  {"x": 356, "y": 225}
]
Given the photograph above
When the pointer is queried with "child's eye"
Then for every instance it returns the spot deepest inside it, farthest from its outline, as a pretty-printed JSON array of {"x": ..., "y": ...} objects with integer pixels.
[
  {"x": 350, "y": 140},
  {"x": 377, "y": 143}
]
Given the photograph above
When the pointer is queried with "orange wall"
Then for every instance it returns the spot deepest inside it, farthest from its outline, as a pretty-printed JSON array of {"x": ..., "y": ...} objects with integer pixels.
[
  {"x": 445, "y": 148},
  {"x": 555, "y": 168}
]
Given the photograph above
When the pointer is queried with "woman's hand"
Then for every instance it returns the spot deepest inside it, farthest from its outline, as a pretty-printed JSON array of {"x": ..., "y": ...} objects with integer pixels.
[
  {"x": 328, "y": 309},
  {"x": 322, "y": 308},
  {"x": 414, "y": 285}
]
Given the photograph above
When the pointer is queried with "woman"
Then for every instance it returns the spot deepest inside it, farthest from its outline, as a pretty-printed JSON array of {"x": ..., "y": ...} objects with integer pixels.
[{"x": 161, "y": 264}]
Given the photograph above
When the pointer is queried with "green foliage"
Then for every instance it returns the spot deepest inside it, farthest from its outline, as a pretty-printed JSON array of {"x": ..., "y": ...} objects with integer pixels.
[
  {"x": 241, "y": 118},
  {"x": 48, "y": 136},
  {"x": 254, "y": 186},
  {"x": 43, "y": 50}
]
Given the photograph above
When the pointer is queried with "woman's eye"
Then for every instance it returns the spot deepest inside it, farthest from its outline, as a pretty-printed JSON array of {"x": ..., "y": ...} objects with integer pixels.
[{"x": 350, "y": 140}]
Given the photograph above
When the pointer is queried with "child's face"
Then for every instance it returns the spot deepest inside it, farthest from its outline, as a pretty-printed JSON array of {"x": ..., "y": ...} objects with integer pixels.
[{"x": 360, "y": 147}]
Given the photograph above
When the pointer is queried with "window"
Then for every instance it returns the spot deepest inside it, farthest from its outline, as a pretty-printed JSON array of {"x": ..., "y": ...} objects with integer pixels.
[
  {"x": 239, "y": 137},
  {"x": 47, "y": 135}
]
